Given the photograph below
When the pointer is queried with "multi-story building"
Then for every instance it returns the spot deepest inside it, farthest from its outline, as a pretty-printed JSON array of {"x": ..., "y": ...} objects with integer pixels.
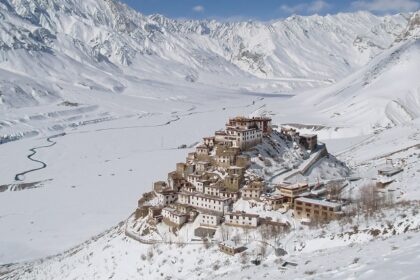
[
  {"x": 159, "y": 186},
  {"x": 243, "y": 161},
  {"x": 154, "y": 211},
  {"x": 193, "y": 178},
  {"x": 289, "y": 133},
  {"x": 208, "y": 202},
  {"x": 209, "y": 218},
  {"x": 166, "y": 196},
  {"x": 175, "y": 180},
  {"x": 184, "y": 169},
  {"x": 191, "y": 157},
  {"x": 202, "y": 184},
  {"x": 184, "y": 197},
  {"x": 213, "y": 189},
  {"x": 173, "y": 217},
  {"x": 244, "y": 138},
  {"x": 232, "y": 182},
  {"x": 275, "y": 202},
  {"x": 253, "y": 190},
  {"x": 202, "y": 166},
  {"x": 308, "y": 141},
  {"x": 242, "y": 219},
  {"x": 209, "y": 141},
  {"x": 261, "y": 123},
  {"x": 293, "y": 191},
  {"x": 228, "y": 194},
  {"x": 308, "y": 208},
  {"x": 202, "y": 152},
  {"x": 235, "y": 170}
]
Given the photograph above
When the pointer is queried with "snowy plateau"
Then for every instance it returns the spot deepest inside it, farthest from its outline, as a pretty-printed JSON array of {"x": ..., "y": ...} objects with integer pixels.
[{"x": 98, "y": 102}]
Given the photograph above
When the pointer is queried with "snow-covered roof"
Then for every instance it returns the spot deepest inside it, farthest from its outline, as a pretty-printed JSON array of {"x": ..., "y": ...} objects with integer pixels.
[
  {"x": 209, "y": 212},
  {"x": 294, "y": 186},
  {"x": 244, "y": 214},
  {"x": 235, "y": 167},
  {"x": 389, "y": 170},
  {"x": 230, "y": 244},
  {"x": 308, "y": 135},
  {"x": 174, "y": 211},
  {"x": 274, "y": 197},
  {"x": 317, "y": 201},
  {"x": 211, "y": 196}
]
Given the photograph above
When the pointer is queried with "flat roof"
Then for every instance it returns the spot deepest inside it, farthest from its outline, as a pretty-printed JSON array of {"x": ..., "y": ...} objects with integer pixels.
[
  {"x": 210, "y": 212},
  {"x": 242, "y": 118},
  {"x": 210, "y": 196},
  {"x": 201, "y": 146},
  {"x": 216, "y": 185},
  {"x": 294, "y": 186},
  {"x": 160, "y": 182},
  {"x": 204, "y": 181},
  {"x": 243, "y": 214},
  {"x": 235, "y": 167},
  {"x": 389, "y": 169},
  {"x": 230, "y": 244},
  {"x": 241, "y": 129},
  {"x": 166, "y": 191},
  {"x": 308, "y": 135},
  {"x": 174, "y": 211},
  {"x": 274, "y": 197},
  {"x": 253, "y": 187},
  {"x": 317, "y": 201}
]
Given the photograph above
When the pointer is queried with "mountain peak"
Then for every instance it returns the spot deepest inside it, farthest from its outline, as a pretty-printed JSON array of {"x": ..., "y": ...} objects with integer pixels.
[{"x": 296, "y": 53}]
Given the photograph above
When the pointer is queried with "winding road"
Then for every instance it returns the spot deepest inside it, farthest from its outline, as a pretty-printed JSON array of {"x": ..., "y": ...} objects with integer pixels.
[{"x": 20, "y": 176}]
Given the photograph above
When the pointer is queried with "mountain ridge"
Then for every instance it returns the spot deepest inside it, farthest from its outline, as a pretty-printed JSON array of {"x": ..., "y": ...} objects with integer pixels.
[{"x": 292, "y": 54}]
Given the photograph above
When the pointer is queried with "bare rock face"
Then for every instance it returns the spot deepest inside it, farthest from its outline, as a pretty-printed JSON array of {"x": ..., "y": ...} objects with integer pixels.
[{"x": 412, "y": 29}]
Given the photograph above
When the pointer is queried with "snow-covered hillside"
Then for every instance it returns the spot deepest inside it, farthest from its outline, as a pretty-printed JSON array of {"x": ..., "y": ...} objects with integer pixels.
[
  {"x": 381, "y": 94},
  {"x": 120, "y": 92}
]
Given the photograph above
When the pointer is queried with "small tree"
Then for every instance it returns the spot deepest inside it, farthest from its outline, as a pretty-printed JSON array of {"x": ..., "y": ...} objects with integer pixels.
[
  {"x": 263, "y": 249},
  {"x": 334, "y": 191},
  {"x": 225, "y": 232},
  {"x": 207, "y": 243},
  {"x": 150, "y": 253},
  {"x": 236, "y": 239},
  {"x": 244, "y": 258}
]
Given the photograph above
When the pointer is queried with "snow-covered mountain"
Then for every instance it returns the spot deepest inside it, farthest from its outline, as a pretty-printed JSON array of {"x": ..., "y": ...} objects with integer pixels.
[
  {"x": 50, "y": 48},
  {"x": 383, "y": 93},
  {"x": 121, "y": 91}
]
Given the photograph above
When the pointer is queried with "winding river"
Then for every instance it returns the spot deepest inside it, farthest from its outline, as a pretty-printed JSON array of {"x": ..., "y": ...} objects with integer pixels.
[{"x": 20, "y": 176}]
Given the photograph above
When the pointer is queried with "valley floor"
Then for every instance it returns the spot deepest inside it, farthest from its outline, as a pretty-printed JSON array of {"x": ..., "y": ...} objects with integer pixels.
[{"x": 95, "y": 173}]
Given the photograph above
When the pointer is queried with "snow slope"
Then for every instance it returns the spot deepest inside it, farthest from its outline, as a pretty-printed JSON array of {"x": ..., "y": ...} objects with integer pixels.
[
  {"x": 49, "y": 49},
  {"x": 383, "y": 93},
  {"x": 128, "y": 89}
]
